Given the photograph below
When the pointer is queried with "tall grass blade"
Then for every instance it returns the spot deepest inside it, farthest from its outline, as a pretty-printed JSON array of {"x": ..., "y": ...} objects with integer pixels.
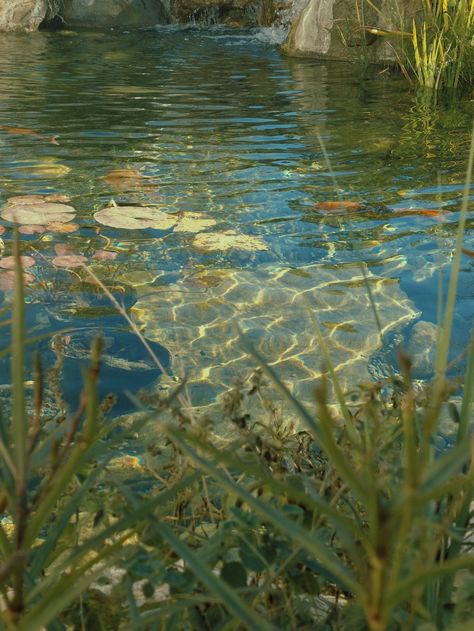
[{"x": 19, "y": 419}]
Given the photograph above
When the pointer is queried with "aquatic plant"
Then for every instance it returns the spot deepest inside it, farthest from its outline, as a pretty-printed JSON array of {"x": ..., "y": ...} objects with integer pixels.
[{"x": 56, "y": 535}]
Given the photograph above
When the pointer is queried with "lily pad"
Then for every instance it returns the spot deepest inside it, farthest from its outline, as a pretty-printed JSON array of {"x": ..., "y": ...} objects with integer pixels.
[
  {"x": 222, "y": 241},
  {"x": 63, "y": 228},
  {"x": 9, "y": 262},
  {"x": 7, "y": 279},
  {"x": 135, "y": 218},
  {"x": 193, "y": 222},
  {"x": 104, "y": 255},
  {"x": 34, "y": 199},
  {"x": 69, "y": 260},
  {"x": 35, "y": 229},
  {"x": 40, "y": 213}
]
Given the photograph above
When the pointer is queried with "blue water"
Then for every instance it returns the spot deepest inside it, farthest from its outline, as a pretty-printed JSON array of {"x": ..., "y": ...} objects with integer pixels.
[{"x": 219, "y": 123}]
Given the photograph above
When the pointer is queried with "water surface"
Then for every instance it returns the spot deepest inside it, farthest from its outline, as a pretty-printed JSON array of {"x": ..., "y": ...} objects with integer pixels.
[{"x": 217, "y": 122}]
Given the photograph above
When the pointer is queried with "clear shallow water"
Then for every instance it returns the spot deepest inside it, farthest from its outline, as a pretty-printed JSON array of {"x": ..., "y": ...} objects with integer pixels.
[{"x": 218, "y": 123}]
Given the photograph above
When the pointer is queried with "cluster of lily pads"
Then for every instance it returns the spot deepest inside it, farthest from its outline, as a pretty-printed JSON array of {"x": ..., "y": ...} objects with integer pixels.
[{"x": 35, "y": 214}]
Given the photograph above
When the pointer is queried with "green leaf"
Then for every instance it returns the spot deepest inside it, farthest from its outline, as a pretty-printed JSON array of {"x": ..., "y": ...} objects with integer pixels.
[
  {"x": 234, "y": 574},
  {"x": 228, "y": 596}
]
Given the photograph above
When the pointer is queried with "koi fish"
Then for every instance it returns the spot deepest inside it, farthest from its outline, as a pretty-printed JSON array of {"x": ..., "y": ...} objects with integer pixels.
[
  {"x": 337, "y": 207},
  {"x": 435, "y": 213},
  {"x": 25, "y": 131}
]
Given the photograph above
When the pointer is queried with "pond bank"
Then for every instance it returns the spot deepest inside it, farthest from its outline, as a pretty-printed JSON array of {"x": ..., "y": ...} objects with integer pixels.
[{"x": 316, "y": 28}]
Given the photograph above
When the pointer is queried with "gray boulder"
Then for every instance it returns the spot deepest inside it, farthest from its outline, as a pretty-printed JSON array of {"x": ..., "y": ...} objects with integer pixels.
[
  {"x": 340, "y": 29},
  {"x": 22, "y": 15},
  {"x": 107, "y": 13}
]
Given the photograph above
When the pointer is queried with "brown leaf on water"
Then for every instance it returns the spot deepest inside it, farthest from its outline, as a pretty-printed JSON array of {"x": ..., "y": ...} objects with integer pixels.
[
  {"x": 469, "y": 253},
  {"x": 33, "y": 229},
  {"x": 9, "y": 262},
  {"x": 7, "y": 280},
  {"x": 135, "y": 218},
  {"x": 63, "y": 228},
  {"x": 62, "y": 249},
  {"x": 337, "y": 207},
  {"x": 104, "y": 255},
  {"x": 25, "y": 199},
  {"x": 70, "y": 260}
]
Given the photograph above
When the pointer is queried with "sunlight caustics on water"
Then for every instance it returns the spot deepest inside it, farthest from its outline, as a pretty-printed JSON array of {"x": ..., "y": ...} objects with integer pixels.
[{"x": 216, "y": 129}]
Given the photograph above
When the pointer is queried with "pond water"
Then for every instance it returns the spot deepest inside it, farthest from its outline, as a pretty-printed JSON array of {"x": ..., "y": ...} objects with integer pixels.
[{"x": 218, "y": 130}]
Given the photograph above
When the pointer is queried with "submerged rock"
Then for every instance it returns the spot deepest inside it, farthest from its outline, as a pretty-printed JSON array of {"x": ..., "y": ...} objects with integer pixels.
[
  {"x": 195, "y": 319},
  {"x": 422, "y": 348}
]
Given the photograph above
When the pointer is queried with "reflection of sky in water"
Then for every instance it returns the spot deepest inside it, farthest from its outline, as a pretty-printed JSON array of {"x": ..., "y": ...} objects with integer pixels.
[{"x": 221, "y": 124}]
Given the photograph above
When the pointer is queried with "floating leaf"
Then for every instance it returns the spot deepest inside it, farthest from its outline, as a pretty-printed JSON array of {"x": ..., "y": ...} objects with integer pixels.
[
  {"x": 469, "y": 253},
  {"x": 135, "y": 218},
  {"x": 9, "y": 262},
  {"x": 34, "y": 229},
  {"x": 222, "y": 241},
  {"x": 104, "y": 255},
  {"x": 63, "y": 228},
  {"x": 193, "y": 222},
  {"x": 39, "y": 213},
  {"x": 337, "y": 207},
  {"x": 34, "y": 199},
  {"x": 7, "y": 279},
  {"x": 62, "y": 248},
  {"x": 70, "y": 260}
]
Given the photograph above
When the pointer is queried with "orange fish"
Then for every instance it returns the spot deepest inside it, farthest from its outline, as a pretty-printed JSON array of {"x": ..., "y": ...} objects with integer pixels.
[
  {"x": 337, "y": 207},
  {"x": 25, "y": 131},
  {"x": 436, "y": 213}
]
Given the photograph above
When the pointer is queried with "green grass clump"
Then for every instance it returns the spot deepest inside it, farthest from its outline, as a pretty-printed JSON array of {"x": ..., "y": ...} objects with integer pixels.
[{"x": 443, "y": 44}]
